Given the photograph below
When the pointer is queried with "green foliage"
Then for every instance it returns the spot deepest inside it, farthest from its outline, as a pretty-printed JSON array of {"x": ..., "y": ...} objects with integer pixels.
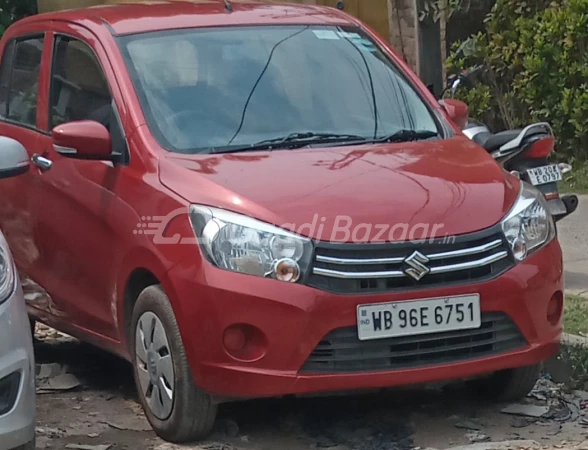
[
  {"x": 536, "y": 69},
  {"x": 576, "y": 181},
  {"x": 436, "y": 9},
  {"x": 573, "y": 358},
  {"x": 576, "y": 315},
  {"x": 13, "y": 10}
]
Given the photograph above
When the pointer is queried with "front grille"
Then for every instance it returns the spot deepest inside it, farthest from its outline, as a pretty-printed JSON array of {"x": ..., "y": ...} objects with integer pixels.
[
  {"x": 9, "y": 387},
  {"x": 341, "y": 351},
  {"x": 369, "y": 268}
]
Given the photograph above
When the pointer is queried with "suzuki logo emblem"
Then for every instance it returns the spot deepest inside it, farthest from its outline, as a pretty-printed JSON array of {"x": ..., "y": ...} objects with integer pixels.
[{"x": 417, "y": 269}]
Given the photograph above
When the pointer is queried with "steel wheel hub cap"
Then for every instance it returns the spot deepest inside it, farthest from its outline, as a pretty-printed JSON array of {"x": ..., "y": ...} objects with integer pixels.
[{"x": 154, "y": 365}]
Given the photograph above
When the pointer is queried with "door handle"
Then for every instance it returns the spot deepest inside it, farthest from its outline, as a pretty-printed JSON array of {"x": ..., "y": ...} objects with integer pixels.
[{"x": 41, "y": 162}]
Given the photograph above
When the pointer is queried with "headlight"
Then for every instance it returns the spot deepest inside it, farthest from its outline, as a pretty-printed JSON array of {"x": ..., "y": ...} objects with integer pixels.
[
  {"x": 242, "y": 244},
  {"x": 528, "y": 225},
  {"x": 7, "y": 275}
]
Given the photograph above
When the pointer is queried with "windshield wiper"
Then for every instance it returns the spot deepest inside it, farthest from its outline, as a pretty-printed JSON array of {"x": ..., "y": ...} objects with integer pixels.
[
  {"x": 293, "y": 140},
  {"x": 406, "y": 136},
  {"x": 303, "y": 138},
  {"x": 297, "y": 140}
]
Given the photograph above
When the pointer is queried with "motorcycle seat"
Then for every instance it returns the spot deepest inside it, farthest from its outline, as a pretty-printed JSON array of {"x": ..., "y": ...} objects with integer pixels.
[{"x": 492, "y": 142}]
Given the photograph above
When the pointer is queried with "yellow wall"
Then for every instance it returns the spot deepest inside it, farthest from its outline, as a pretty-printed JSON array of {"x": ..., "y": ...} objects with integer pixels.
[
  {"x": 372, "y": 12},
  {"x": 55, "y": 5}
]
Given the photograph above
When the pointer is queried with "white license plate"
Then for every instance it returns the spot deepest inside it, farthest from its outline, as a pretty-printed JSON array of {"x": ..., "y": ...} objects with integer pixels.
[
  {"x": 409, "y": 318},
  {"x": 545, "y": 174}
]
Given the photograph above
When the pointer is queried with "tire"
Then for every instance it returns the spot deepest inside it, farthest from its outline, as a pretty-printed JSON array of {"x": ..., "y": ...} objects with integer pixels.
[
  {"x": 188, "y": 413},
  {"x": 507, "y": 385}
]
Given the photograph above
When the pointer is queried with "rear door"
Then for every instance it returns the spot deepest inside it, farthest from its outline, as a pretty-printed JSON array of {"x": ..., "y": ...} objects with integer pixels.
[{"x": 23, "y": 100}]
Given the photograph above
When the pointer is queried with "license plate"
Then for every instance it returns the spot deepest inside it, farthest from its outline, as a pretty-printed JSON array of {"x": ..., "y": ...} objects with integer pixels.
[
  {"x": 409, "y": 318},
  {"x": 544, "y": 175}
]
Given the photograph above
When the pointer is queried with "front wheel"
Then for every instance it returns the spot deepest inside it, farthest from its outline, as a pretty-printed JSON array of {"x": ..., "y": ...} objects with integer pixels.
[
  {"x": 507, "y": 385},
  {"x": 177, "y": 410}
]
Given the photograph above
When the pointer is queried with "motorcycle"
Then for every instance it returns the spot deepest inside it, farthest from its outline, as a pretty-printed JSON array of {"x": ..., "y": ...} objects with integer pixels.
[{"x": 524, "y": 153}]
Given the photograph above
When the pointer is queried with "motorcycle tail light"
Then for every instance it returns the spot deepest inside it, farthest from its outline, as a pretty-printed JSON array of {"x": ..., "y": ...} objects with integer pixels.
[{"x": 542, "y": 148}]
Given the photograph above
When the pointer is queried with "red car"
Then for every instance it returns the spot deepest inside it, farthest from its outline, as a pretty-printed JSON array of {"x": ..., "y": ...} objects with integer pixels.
[{"x": 251, "y": 200}]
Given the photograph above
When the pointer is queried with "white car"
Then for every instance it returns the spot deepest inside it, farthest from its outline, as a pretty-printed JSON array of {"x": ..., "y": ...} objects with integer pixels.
[{"x": 17, "y": 362}]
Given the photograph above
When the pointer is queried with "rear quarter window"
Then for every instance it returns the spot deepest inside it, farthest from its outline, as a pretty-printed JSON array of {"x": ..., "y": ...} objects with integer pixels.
[
  {"x": 5, "y": 71},
  {"x": 19, "y": 80}
]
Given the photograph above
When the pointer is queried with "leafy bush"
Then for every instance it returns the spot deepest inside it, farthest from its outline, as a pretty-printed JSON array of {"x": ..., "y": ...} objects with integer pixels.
[
  {"x": 12, "y": 10},
  {"x": 536, "y": 69},
  {"x": 467, "y": 21}
]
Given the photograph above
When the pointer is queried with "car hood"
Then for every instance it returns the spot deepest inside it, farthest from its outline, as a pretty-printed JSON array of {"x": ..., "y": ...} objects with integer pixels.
[{"x": 437, "y": 188}]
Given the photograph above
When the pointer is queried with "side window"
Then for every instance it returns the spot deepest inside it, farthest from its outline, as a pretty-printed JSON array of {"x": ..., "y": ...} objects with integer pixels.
[
  {"x": 5, "y": 71},
  {"x": 19, "y": 80},
  {"x": 79, "y": 90}
]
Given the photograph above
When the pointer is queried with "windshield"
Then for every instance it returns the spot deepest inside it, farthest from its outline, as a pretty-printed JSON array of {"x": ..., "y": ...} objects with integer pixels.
[{"x": 215, "y": 88}]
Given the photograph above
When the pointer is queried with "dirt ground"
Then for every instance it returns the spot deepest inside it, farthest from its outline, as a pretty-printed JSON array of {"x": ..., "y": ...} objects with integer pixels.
[{"x": 103, "y": 411}]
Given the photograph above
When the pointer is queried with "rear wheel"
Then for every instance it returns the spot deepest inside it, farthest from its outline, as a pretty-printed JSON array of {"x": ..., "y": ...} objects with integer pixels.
[
  {"x": 177, "y": 410},
  {"x": 507, "y": 385}
]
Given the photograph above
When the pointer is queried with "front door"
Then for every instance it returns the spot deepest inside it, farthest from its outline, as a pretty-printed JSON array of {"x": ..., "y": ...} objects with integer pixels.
[{"x": 78, "y": 209}]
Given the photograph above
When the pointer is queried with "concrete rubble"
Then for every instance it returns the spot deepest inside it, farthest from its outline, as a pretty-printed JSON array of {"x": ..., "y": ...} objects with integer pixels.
[{"x": 96, "y": 397}]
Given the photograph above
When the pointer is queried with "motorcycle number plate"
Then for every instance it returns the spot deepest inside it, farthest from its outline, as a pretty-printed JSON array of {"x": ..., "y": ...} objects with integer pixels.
[{"x": 544, "y": 174}]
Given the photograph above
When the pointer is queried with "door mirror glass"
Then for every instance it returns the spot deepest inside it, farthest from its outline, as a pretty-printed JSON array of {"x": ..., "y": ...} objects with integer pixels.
[
  {"x": 84, "y": 139},
  {"x": 14, "y": 159},
  {"x": 457, "y": 110}
]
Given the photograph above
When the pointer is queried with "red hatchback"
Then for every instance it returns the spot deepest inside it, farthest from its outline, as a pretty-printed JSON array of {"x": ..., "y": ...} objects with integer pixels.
[{"x": 255, "y": 200}]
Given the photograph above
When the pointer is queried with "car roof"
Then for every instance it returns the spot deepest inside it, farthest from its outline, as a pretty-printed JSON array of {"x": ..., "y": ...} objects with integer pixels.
[{"x": 141, "y": 17}]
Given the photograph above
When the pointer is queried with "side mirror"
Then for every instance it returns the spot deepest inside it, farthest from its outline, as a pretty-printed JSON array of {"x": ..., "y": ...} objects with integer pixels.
[
  {"x": 458, "y": 111},
  {"x": 84, "y": 139},
  {"x": 14, "y": 159}
]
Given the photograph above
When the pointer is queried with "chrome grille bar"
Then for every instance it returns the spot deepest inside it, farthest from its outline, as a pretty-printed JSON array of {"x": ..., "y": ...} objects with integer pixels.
[
  {"x": 357, "y": 262},
  {"x": 434, "y": 257},
  {"x": 466, "y": 251},
  {"x": 470, "y": 264},
  {"x": 357, "y": 275},
  {"x": 399, "y": 274}
]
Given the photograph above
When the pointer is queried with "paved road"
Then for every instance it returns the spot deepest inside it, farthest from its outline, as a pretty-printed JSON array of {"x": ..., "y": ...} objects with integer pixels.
[{"x": 573, "y": 232}]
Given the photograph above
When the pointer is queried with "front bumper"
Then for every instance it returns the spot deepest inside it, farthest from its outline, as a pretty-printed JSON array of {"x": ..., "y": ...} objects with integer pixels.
[
  {"x": 294, "y": 319},
  {"x": 17, "y": 426}
]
